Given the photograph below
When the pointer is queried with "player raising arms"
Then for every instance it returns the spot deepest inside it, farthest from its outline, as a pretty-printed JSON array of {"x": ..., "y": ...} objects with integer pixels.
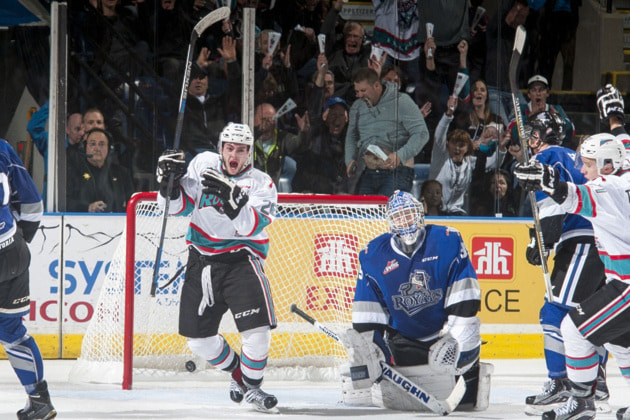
[
  {"x": 415, "y": 305},
  {"x": 577, "y": 272},
  {"x": 20, "y": 213},
  {"x": 602, "y": 319},
  {"x": 231, "y": 204}
]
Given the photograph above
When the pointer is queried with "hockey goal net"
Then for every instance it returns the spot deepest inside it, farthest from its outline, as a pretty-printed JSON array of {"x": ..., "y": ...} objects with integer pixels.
[{"x": 312, "y": 262}]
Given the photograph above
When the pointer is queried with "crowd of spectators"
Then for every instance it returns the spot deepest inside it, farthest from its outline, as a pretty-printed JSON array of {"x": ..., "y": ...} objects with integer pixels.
[{"x": 340, "y": 108}]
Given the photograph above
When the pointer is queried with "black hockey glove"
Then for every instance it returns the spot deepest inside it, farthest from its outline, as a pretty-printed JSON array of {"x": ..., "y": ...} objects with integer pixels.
[
  {"x": 171, "y": 162},
  {"x": 232, "y": 196},
  {"x": 532, "y": 253},
  {"x": 536, "y": 176}
]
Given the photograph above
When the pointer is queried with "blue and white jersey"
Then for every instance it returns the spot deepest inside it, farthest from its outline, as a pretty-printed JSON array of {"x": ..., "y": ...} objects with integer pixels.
[
  {"x": 19, "y": 198},
  {"x": 605, "y": 201},
  {"x": 415, "y": 295},
  {"x": 563, "y": 159}
]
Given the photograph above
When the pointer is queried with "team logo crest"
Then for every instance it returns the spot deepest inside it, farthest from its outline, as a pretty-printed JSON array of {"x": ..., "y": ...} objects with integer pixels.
[
  {"x": 416, "y": 295},
  {"x": 391, "y": 266}
]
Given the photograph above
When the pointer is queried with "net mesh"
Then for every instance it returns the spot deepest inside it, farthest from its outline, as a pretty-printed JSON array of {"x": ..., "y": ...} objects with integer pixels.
[{"x": 312, "y": 262}]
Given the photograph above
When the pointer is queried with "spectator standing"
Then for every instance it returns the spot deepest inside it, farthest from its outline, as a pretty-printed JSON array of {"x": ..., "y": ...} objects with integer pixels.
[
  {"x": 454, "y": 163},
  {"x": 322, "y": 167},
  {"x": 322, "y": 88},
  {"x": 206, "y": 111},
  {"x": 95, "y": 184},
  {"x": 273, "y": 147},
  {"x": 275, "y": 79},
  {"x": 21, "y": 212},
  {"x": 538, "y": 93},
  {"x": 347, "y": 56},
  {"x": 385, "y": 117},
  {"x": 500, "y": 42}
]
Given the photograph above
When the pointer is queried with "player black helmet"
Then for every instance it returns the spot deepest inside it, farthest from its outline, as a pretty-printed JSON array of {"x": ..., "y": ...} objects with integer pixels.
[{"x": 549, "y": 126}]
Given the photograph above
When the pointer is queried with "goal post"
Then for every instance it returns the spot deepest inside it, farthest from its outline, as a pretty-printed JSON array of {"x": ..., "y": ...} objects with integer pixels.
[{"x": 312, "y": 262}]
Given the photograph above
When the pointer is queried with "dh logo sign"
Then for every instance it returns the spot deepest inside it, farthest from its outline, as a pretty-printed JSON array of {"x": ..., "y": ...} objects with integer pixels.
[{"x": 493, "y": 258}]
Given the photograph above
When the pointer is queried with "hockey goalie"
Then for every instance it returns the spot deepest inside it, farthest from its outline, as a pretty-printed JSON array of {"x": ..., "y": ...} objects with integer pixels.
[{"x": 415, "y": 310}]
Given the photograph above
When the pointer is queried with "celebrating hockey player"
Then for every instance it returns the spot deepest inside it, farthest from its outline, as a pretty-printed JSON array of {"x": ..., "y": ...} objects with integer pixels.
[
  {"x": 231, "y": 204},
  {"x": 415, "y": 306},
  {"x": 577, "y": 272},
  {"x": 20, "y": 197},
  {"x": 601, "y": 319}
]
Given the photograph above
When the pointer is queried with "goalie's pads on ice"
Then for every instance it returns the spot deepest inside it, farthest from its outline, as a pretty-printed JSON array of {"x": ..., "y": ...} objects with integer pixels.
[
  {"x": 387, "y": 395},
  {"x": 364, "y": 357},
  {"x": 459, "y": 347}
]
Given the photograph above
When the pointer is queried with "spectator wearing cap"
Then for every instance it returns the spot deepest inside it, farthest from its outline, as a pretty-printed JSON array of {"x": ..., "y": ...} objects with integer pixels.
[
  {"x": 538, "y": 93},
  {"x": 386, "y": 130},
  {"x": 206, "y": 107},
  {"x": 322, "y": 167}
]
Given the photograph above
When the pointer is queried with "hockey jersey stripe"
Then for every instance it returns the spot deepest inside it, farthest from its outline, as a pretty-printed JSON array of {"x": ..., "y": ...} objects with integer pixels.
[
  {"x": 264, "y": 282},
  {"x": 368, "y": 313},
  {"x": 210, "y": 245},
  {"x": 606, "y": 314},
  {"x": 586, "y": 204},
  {"x": 615, "y": 265}
]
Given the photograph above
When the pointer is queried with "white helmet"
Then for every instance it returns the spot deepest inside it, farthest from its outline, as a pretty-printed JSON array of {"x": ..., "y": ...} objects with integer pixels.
[
  {"x": 405, "y": 216},
  {"x": 609, "y": 101},
  {"x": 604, "y": 148},
  {"x": 239, "y": 134}
]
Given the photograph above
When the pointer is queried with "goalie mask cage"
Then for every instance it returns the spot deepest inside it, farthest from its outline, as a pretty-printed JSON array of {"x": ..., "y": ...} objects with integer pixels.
[{"x": 312, "y": 262}]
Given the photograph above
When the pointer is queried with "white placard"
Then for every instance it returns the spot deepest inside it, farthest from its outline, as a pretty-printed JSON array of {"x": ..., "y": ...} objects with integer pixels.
[
  {"x": 430, "y": 35},
  {"x": 377, "y": 151},
  {"x": 461, "y": 80},
  {"x": 288, "y": 106},
  {"x": 478, "y": 15},
  {"x": 273, "y": 41},
  {"x": 377, "y": 53},
  {"x": 321, "y": 39}
]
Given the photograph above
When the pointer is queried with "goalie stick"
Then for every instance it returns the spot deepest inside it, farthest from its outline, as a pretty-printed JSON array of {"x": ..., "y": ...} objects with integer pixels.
[
  {"x": 207, "y": 21},
  {"x": 519, "y": 43},
  {"x": 400, "y": 381}
]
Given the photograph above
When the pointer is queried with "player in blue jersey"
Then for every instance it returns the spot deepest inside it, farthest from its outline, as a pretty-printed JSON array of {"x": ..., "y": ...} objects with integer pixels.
[
  {"x": 231, "y": 203},
  {"x": 577, "y": 272},
  {"x": 602, "y": 319},
  {"x": 21, "y": 210},
  {"x": 415, "y": 306}
]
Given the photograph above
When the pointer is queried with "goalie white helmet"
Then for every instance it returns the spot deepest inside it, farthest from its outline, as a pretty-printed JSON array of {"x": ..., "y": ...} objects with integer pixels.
[
  {"x": 609, "y": 101},
  {"x": 604, "y": 148},
  {"x": 239, "y": 134},
  {"x": 405, "y": 216}
]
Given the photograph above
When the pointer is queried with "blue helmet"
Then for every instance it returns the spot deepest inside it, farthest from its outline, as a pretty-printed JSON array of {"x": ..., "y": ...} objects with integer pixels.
[{"x": 405, "y": 216}]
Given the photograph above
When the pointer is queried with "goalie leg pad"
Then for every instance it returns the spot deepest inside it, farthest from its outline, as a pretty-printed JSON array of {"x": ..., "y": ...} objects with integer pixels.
[
  {"x": 477, "y": 397},
  {"x": 364, "y": 357},
  {"x": 387, "y": 395},
  {"x": 355, "y": 397}
]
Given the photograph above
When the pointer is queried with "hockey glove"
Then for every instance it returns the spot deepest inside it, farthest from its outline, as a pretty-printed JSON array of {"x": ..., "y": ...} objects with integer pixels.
[
  {"x": 532, "y": 253},
  {"x": 536, "y": 176},
  {"x": 232, "y": 196},
  {"x": 458, "y": 349},
  {"x": 171, "y": 162}
]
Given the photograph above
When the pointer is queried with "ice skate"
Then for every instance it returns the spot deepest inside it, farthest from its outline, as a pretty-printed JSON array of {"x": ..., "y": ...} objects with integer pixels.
[
  {"x": 601, "y": 397},
  {"x": 555, "y": 392},
  {"x": 574, "y": 409},
  {"x": 237, "y": 388},
  {"x": 623, "y": 413},
  {"x": 261, "y": 401},
  {"x": 38, "y": 405}
]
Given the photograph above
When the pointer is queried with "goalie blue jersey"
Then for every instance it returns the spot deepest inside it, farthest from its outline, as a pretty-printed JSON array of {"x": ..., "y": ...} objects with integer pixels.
[{"x": 415, "y": 295}]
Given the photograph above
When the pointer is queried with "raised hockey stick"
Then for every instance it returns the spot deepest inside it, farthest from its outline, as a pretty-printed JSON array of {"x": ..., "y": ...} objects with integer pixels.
[
  {"x": 400, "y": 381},
  {"x": 519, "y": 43},
  {"x": 207, "y": 21}
]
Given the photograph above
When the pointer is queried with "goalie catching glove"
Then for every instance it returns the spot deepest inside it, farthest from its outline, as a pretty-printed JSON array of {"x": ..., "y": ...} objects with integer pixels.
[
  {"x": 458, "y": 349},
  {"x": 232, "y": 196},
  {"x": 171, "y": 162},
  {"x": 536, "y": 176}
]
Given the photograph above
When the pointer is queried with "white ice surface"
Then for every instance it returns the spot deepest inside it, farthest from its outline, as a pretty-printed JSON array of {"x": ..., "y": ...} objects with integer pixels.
[{"x": 512, "y": 381}]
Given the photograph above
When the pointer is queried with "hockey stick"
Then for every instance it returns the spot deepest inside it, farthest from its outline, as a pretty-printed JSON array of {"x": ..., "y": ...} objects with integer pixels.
[
  {"x": 206, "y": 22},
  {"x": 400, "y": 381},
  {"x": 519, "y": 42}
]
